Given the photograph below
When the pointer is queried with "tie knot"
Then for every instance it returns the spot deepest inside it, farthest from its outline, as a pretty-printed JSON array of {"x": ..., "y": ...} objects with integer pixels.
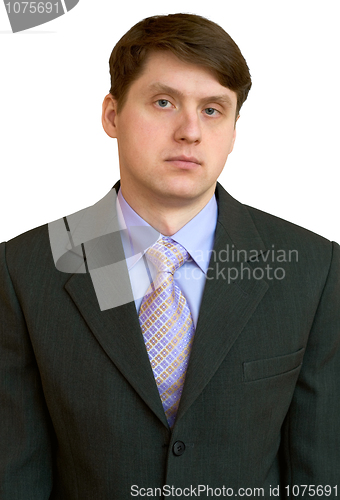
[{"x": 167, "y": 255}]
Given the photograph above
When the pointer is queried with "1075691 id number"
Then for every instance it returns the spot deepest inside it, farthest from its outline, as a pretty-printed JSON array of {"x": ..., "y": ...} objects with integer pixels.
[
  {"x": 32, "y": 7},
  {"x": 311, "y": 490}
]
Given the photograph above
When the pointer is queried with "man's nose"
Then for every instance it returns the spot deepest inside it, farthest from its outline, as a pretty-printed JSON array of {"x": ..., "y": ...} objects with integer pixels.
[{"x": 188, "y": 127}]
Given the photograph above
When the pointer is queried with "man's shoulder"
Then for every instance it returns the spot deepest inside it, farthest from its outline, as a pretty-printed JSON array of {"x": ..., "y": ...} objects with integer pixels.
[
  {"x": 312, "y": 251},
  {"x": 43, "y": 246},
  {"x": 271, "y": 228},
  {"x": 254, "y": 231},
  {"x": 34, "y": 242},
  {"x": 27, "y": 257},
  {"x": 270, "y": 225}
]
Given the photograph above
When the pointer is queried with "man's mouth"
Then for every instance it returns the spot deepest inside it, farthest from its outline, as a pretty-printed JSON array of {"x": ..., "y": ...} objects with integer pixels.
[{"x": 182, "y": 161}]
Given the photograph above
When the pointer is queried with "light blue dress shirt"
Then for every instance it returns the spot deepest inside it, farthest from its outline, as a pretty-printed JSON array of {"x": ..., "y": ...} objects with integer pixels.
[{"x": 197, "y": 237}]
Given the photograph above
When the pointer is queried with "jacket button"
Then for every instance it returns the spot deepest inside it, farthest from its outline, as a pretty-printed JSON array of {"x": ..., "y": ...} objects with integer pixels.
[{"x": 178, "y": 448}]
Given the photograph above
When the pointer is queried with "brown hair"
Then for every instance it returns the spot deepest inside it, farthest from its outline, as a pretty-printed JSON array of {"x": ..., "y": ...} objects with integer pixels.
[{"x": 193, "y": 39}]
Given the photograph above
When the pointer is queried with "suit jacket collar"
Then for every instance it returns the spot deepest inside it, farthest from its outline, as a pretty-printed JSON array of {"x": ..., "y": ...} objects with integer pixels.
[
  {"x": 237, "y": 223},
  {"x": 228, "y": 303}
]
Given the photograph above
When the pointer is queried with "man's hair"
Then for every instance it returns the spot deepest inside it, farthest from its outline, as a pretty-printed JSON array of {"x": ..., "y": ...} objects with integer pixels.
[{"x": 191, "y": 38}]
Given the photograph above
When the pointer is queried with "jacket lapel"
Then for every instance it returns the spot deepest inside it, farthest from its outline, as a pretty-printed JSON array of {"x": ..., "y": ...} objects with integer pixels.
[
  {"x": 118, "y": 332},
  {"x": 103, "y": 294},
  {"x": 228, "y": 301}
]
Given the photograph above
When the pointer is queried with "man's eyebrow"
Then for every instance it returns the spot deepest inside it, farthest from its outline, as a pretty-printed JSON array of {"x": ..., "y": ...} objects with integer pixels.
[{"x": 162, "y": 88}]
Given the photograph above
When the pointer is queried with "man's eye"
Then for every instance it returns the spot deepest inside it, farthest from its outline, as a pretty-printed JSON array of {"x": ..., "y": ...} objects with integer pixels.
[
  {"x": 210, "y": 111},
  {"x": 163, "y": 103}
]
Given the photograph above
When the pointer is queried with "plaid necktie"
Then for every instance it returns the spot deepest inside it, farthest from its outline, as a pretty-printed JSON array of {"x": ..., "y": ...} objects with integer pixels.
[{"x": 167, "y": 324}]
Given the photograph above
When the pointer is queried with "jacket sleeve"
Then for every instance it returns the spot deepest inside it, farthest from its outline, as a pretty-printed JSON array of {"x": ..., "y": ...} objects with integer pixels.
[
  {"x": 25, "y": 444},
  {"x": 311, "y": 432}
]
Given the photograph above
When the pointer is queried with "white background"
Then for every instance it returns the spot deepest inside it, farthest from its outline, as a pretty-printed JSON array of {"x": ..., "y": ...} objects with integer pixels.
[{"x": 55, "y": 157}]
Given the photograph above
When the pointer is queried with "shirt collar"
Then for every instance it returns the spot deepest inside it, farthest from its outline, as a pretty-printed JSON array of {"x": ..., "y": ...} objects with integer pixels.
[{"x": 197, "y": 236}]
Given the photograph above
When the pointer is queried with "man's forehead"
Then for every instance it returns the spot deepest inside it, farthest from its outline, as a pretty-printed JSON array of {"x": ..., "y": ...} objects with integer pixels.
[{"x": 165, "y": 73}]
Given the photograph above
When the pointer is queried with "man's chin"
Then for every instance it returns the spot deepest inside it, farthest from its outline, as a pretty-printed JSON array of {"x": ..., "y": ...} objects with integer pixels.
[{"x": 184, "y": 192}]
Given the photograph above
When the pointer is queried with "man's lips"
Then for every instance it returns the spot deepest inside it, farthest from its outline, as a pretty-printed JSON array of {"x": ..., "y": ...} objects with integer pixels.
[{"x": 184, "y": 161}]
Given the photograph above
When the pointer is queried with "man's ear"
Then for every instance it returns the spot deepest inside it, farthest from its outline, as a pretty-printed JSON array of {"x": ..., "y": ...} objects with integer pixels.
[
  {"x": 234, "y": 135},
  {"x": 109, "y": 113}
]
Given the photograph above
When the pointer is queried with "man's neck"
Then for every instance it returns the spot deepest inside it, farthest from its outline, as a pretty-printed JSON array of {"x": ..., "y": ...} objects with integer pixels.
[{"x": 166, "y": 216}]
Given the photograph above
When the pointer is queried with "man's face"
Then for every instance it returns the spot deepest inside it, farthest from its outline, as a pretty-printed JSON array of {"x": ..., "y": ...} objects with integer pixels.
[{"x": 175, "y": 131}]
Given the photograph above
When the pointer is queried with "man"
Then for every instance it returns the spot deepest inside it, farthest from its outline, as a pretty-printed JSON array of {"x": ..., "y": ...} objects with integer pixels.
[{"x": 170, "y": 341}]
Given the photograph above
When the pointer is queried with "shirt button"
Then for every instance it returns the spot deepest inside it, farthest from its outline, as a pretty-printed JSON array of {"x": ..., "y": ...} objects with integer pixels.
[{"x": 178, "y": 448}]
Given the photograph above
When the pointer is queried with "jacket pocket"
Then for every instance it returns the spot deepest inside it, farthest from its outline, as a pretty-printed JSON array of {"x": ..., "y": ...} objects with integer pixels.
[{"x": 270, "y": 367}]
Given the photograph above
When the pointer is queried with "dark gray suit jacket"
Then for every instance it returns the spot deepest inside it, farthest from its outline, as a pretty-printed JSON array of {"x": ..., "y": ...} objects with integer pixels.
[{"x": 81, "y": 418}]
